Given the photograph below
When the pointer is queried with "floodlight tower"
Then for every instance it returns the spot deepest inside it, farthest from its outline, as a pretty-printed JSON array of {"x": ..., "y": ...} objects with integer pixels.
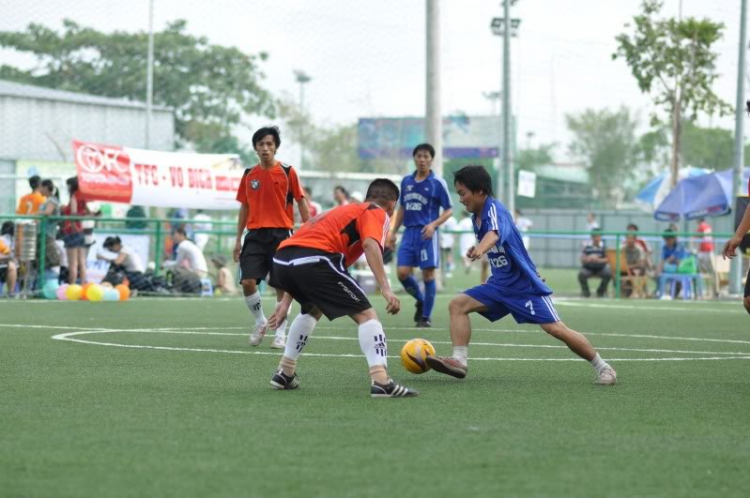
[{"x": 302, "y": 78}]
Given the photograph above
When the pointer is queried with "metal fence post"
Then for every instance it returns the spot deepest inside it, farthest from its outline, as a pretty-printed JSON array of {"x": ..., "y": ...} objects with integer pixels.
[
  {"x": 158, "y": 248},
  {"x": 617, "y": 266}
]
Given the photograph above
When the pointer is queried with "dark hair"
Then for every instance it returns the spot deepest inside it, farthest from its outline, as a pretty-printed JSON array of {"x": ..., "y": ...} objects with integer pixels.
[
  {"x": 8, "y": 228},
  {"x": 34, "y": 182},
  {"x": 267, "y": 130},
  {"x": 111, "y": 241},
  {"x": 343, "y": 190},
  {"x": 382, "y": 189},
  {"x": 632, "y": 226},
  {"x": 596, "y": 231},
  {"x": 475, "y": 178},
  {"x": 181, "y": 231},
  {"x": 48, "y": 184},
  {"x": 425, "y": 147},
  {"x": 669, "y": 233},
  {"x": 72, "y": 184}
]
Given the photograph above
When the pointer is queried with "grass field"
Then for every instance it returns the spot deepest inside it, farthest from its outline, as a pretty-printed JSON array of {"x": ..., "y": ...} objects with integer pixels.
[{"x": 165, "y": 398}]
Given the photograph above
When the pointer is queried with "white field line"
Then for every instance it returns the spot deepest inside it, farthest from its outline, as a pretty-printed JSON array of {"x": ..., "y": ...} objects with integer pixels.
[{"x": 69, "y": 337}]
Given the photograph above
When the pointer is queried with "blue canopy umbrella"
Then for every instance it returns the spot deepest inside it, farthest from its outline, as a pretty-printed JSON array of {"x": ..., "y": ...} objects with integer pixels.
[
  {"x": 657, "y": 189},
  {"x": 699, "y": 196}
]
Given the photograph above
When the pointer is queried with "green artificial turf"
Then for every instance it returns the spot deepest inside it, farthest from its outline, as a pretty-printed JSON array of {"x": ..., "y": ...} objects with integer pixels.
[{"x": 202, "y": 420}]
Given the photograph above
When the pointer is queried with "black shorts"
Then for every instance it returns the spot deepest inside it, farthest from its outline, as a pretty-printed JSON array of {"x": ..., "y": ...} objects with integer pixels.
[
  {"x": 317, "y": 278},
  {"x": 747, "y": 284},
  {"x": 258, "y": 249}
]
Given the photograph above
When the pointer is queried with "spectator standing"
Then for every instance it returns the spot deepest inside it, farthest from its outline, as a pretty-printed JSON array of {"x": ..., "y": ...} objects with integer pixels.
[
  {"x": 51, "y": 207},
  {"x": 8, "y": 267},
  {"x": 73, "y": 239},
  {"x": 594, "y": 264},
  {"x": 340, "y": 196},
  {"x": 134, "y": 218},
  {"x": 30, "y": 203},
  {"x": 314, "y": 207},
  {"x": 705, "y": 247},
  {"x": 466, "y": 240},
  {"x": 447, "y": 242},
  {"x": 202, "y": 223},
  {"x": 591, "y": 223},
  {"x": 523, "y": 224}
]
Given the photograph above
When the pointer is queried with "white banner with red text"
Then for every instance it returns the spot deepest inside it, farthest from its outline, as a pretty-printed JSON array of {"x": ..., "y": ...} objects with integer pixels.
[{"x": 157, "y": 179}]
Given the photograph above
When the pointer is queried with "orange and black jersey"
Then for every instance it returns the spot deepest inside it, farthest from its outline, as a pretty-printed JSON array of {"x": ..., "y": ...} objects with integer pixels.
[
  {"x": 268, "y": 194},
  {"x": 343, "y": 230}
]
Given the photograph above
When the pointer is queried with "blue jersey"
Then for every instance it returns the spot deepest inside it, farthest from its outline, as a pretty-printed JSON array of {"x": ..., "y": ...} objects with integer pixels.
[
  {"x": 512, "y": 268},
  {"x": 422, "y": 200}
]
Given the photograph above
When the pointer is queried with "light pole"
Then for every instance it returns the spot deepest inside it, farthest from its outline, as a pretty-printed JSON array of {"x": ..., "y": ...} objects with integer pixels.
[
  {"x": 302, "y": 78},
  {"x": 433, "y": 115},
  {"x": 507, "y": 27},
  {"x": 149, "y": 74},
  {"x": 739, "y": 139}
]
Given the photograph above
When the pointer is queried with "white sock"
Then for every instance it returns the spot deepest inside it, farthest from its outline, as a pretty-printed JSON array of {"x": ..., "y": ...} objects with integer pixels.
[
  {"x": 373, "y": 344},
  {"x": 253, "y": 304},
  {"x": 598, "y": 364},
  {"x": 461, "y": 353},
  {"x": 281, "y": 329},
  {"x": 299, "y": 333}
]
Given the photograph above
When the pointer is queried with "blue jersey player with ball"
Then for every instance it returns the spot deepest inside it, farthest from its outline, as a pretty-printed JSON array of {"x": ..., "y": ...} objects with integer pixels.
[
  {"x": 423, "y": 194},
  {"x": 514, "y": 287}
]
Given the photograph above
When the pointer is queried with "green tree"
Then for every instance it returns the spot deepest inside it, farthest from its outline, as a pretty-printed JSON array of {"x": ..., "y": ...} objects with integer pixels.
[
  {"x": 711, "y": 148},
  {"x": 672, "y": 60},
  {"x": 606, "y": 143},
  {"x": 530, "y": 158},
  {"x": 327, "y": 148},
  {"x": 210, "y": 87}
]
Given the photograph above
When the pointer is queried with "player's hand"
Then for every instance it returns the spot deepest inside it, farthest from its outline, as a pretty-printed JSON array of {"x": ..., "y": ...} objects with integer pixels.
[
  {"x": 730, "y": 248},
  {"x": 236, "y": 251},
  {"x": 393, "y": 305},
  {"x": 279, "y": 314},
  {"x": 473, "y": 254},
  {"x": 428, "y": 231},
  {"x": 390, "y": 241}
]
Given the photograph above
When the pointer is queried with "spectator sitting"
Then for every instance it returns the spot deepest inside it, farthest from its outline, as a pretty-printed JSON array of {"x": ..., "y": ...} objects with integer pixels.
[
  {"x": 340, "y": 196},
  {"x": 190, "y": 265},
  {"x": 594, "y": 264},
  {"x": 224, "y": 278},
  {"x": 8, "y": 268},
  {"x": 636, "y": 259},
  {"x": 127, "y": 261},
  {"x": 671, "y": 253},
  {"x": 203, "y": 225}
]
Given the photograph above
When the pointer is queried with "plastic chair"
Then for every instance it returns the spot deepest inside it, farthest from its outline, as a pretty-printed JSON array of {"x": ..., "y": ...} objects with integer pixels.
[{"x": 686, "y": 280}]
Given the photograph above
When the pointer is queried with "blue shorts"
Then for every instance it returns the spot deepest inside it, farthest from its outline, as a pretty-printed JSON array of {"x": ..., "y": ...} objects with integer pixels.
[
  {"x": 414, "y": 251},
  {"x": 525, "y": 308},
  {"x": 74, "y": 240}
]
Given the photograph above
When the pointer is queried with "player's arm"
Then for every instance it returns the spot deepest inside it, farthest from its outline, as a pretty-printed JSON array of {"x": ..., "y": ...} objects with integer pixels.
[
  {"x": 478, "y": 250},
  {"x": 730, "y": 248},
  {"x": 241, "y": 222},
  {"x": 374, "y": 255},
  {"x": 304, "y": 209},
  {"x": 391, "y": 242},
  {"x": 430, "y": 228}
]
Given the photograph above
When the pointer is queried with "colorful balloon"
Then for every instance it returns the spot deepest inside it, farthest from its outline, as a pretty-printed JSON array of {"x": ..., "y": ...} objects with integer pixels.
[
  {"x": 95, "y": 292},
  {"x": 61, "y": 292},
  {"x": 124, "y": 291},
  {"x": 49, "y": 291},
  {"x": 74, "y": 292}
]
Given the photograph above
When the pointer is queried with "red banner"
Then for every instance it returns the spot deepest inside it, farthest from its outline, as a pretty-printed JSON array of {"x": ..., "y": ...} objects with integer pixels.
[{"x": 103, "y": 172}]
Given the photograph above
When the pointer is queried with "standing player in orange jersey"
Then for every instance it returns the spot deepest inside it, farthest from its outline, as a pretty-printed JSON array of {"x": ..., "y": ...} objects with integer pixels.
[
  {"x": 267, "y": 193},
  {"x": 311, "y": 267}
]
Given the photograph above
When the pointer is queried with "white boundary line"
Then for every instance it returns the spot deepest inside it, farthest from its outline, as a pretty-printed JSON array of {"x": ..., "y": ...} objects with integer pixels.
[{"x": 69, "y": 336}]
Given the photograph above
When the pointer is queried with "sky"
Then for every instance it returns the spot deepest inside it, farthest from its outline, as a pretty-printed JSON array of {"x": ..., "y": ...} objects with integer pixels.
[{"x": 367, "y": 58}]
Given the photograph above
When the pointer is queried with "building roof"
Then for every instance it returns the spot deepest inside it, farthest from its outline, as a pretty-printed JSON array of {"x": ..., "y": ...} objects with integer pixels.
[
  {"x": 566, "y": 173},
  {"x": 20, "y": 90}
]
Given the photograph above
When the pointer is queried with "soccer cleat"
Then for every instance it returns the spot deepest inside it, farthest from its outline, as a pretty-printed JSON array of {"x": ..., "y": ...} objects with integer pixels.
[
  {"x": 424, "y": 323},
  {"x": 607, "y": 377},
  {"x": 420, "y": 309},
  {"x": 283, "y": 382},
  {"x": 257, "y": 336},
  {"x": 447, "y": 365},
  {"x": 391, "y": 390},
  {"x": 278, "y": 342}
]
